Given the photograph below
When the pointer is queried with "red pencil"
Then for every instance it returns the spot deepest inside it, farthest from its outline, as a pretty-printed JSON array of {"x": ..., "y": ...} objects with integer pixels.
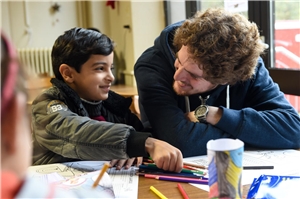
[{"x": 183, "y": 193}]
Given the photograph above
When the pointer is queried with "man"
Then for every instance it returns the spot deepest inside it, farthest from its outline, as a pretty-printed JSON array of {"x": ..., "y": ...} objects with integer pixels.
[{"x": 204, "y": 79}]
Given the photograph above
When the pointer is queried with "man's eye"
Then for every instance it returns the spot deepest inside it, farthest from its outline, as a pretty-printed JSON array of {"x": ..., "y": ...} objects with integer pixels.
[
  {"x": 100, "y": 68},
  {"x": 195, "y": 77}
]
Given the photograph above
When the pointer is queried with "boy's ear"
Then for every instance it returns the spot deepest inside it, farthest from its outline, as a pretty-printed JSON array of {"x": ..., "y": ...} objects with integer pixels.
[
  {"x": 9, "y": 127},
  {"x": 66, "y": 72}
]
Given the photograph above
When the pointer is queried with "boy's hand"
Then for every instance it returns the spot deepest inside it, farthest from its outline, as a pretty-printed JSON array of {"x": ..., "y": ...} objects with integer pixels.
[
  {"x": 164, "y": 155},
  {"x": 127, "y": 163}
]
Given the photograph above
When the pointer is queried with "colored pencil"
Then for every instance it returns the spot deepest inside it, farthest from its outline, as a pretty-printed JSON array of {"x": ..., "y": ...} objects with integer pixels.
[
  {"x": 158, "y": 193},
  {"x": 154, "y": 176},
  {"x": 155, "y": 170},
  {"x": 186, "y": 180},
  {"x": 182, "y": 191},
  {"x": 142, "y": 172},
  {"x": 149, "y": 165},
  {"x": 195, "y": 165},
  {"x": 103, "y": 170},
  {"x": 257, "y": 167},
  {"x": 193, "y": 168}
]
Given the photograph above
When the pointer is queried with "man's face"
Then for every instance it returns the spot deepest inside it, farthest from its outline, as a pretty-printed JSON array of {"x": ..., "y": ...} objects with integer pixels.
[
  {"x": 188, "y": 78},
  {"x": 95, "y": 78}
]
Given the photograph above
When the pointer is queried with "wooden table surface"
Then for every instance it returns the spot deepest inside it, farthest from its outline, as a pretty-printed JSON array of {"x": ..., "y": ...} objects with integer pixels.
[
  {"x": 170, "y": 190},
  {"x": 124, "y": 90}
]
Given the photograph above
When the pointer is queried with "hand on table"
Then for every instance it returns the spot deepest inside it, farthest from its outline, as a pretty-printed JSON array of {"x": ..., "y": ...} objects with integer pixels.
[
  {"x": 164, "y": 155},
  {"x": 127, "y": 163}
]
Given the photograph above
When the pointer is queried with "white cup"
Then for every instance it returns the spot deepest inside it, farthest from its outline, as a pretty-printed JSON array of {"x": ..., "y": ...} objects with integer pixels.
[{"x": 225, "y": 158}]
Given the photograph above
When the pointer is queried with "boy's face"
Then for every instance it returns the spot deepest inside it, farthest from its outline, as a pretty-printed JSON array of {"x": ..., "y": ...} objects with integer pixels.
[{"x": 95, "y": 78}]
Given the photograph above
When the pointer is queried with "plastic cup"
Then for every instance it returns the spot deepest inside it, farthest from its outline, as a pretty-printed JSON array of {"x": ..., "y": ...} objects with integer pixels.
[{"x": 225, "y": 158}]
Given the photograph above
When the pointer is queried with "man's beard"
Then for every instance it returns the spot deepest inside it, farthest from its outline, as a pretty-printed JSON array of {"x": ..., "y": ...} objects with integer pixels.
[{"x": 179, "y": 93}]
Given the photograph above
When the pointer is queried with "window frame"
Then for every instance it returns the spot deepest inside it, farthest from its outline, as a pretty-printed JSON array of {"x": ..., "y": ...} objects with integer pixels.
[{"x": 263, "y": 14}]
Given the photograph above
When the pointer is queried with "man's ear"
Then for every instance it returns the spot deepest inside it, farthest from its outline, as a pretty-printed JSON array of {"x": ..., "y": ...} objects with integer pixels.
[
  {"x": 67, "y": 73},
  {"x": 9, "y": 128}
]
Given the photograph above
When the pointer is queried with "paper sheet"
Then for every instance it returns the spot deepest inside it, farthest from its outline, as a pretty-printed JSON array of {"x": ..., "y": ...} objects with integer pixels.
[
  {"x": 125, "y": 182},
  {"x": 285, "y": 162}
]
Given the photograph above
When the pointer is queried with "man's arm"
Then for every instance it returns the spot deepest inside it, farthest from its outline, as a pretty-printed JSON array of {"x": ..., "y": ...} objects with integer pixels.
[{"x": 266, "y": 116}]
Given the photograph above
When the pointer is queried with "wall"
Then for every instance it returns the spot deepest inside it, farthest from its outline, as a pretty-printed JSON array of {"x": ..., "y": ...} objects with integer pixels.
[
  {"x": 147, "y": 23},
  {"x": 32, "y": 24}
]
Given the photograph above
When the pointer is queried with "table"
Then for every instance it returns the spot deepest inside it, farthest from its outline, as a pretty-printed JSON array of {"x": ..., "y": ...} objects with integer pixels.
[
  {"x": 170, "y": 190},
  {"x": 128, "y": 91},
  {"x": 124, "y": 90},
  {"x": 35, "y": 86}
]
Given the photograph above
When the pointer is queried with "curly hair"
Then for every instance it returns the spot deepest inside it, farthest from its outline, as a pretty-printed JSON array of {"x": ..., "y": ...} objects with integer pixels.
[{"x": 226, "y": 45}]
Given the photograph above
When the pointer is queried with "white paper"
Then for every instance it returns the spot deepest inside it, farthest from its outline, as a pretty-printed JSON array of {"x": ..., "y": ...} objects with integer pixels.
[{"x": 124, "y": 182}]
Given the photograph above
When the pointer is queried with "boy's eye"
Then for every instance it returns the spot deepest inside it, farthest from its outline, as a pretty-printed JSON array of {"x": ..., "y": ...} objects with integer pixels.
[{"x": 99, "y": 68}]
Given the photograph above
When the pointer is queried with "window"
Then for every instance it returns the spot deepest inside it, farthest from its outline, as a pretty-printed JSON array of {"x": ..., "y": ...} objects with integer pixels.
[
  {"x": 287, "y": 43},
  {"x": 287, "y": 34},
  {"x": 279, "y": 22}
]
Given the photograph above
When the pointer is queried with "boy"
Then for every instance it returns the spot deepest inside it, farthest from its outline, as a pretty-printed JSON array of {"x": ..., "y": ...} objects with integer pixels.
[{"x": 79, "y": 118}]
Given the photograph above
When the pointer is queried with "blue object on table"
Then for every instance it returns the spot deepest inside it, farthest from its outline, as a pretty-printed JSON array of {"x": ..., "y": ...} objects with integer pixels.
[{"x": 274, "y": 186}]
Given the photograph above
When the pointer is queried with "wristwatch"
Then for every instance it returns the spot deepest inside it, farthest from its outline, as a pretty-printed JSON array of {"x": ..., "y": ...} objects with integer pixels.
[
  {"x": 202, "y": 110},
  {"x": 201, "y": 113}
]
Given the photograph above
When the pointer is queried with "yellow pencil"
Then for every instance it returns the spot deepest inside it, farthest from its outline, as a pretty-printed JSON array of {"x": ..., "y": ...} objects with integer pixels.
[
  {"x": 104, "y": 168},
  {"x": 158, "y": 193}
]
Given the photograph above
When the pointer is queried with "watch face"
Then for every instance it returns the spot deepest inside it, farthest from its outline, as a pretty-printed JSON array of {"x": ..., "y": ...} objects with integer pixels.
[{"x": 201, "y": 110}]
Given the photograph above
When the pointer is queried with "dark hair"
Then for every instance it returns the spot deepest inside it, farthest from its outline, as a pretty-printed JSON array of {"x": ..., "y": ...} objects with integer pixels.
[
  {"x": 226, "y": 44},
  {"x": 76, "y": 46}
]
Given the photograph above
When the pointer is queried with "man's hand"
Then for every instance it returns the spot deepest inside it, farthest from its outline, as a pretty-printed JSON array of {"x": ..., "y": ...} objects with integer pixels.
[
  {"x": 191, "y": 116},
  {"x": 127, "y": 163},
  {"x": 164, "y": 155}
]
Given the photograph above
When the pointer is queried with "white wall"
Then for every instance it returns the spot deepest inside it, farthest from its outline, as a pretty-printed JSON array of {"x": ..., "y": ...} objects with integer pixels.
[
  {"x": 177, "y": 11},
  {"x": 147, "y": 23},
  {"x": 32, "y": 24},
  {"x": 99, "y": 16}
]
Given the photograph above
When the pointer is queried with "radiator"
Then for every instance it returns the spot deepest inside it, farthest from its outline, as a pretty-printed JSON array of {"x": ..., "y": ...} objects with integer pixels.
[{"x": 37, "y": 60}]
